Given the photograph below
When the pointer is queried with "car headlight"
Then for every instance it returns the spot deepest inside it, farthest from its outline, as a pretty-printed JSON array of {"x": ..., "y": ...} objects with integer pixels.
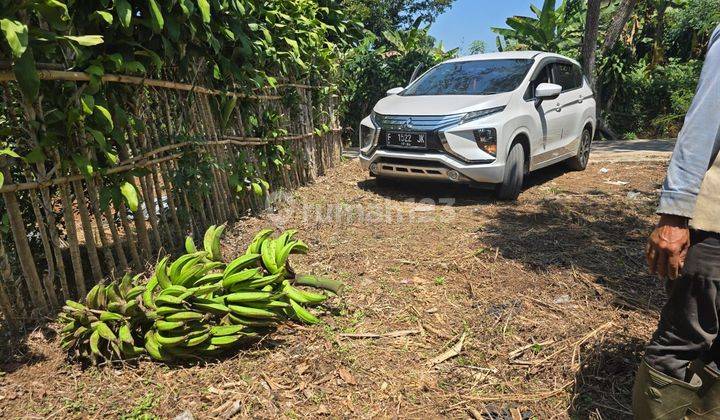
[
  {"x": 486, "y": 139},
  {"x": 471, "y": 116},
  {"x": 367, "y": 137}
]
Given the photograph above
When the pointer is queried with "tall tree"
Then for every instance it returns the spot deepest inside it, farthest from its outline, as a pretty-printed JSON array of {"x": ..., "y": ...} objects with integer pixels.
[
  {"x": 617, "y": 24},
  {"x": 383, "y": 15},
  {"x": 590, "y": 39}
]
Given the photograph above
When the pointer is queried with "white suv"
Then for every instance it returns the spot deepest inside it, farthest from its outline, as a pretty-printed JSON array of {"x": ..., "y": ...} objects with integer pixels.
[{"x": 487, "y": 119}]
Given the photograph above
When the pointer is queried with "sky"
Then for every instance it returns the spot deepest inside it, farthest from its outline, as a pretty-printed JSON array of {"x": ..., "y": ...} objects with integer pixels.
[{"x": 469, "y": 20}]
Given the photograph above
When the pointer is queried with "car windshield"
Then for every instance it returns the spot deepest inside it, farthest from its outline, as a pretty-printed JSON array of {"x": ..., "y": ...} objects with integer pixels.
[{"x": 484, "y": 77}]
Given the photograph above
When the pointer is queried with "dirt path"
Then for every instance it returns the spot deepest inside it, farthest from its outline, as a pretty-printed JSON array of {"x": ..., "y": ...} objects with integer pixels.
[{"x": 548, "y": 296}]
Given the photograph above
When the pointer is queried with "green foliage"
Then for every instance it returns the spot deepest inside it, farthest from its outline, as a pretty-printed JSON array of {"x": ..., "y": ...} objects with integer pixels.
[
  {"x": 654, "y": 101},
  {"x": 477, "y": 47},
  {"x": 551, "y": 29},
  {"x": 382, "y": 15},
  {"x": 242, "y": 42}
]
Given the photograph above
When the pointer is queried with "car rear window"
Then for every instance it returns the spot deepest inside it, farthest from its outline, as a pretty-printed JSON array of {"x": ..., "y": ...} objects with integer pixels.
[{"x": 485, "y": 77}]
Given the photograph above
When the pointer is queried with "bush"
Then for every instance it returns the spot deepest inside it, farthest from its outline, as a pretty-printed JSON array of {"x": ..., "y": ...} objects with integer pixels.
[{"x": 653, "y": 102}]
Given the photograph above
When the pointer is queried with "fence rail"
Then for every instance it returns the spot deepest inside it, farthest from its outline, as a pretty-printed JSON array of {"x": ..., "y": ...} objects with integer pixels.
[{"x": 190, "y": 166}]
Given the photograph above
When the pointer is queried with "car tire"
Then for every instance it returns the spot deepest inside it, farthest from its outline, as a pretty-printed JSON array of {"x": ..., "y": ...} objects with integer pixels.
[
  {"x": 512, "y": 184},
  {"x": 580, "y": 161}
]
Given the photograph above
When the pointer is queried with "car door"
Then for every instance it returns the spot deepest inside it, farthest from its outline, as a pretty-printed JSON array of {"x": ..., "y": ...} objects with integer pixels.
[
  {"x": 550, "y": 118},
  {"x": 569, "y": 105}
]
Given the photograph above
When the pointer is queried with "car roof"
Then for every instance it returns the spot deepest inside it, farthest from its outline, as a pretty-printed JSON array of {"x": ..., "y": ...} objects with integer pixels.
[{"x": 510, "y": 55}]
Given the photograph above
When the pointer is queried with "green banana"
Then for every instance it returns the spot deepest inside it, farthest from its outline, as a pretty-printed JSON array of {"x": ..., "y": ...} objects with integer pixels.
[
  {"x": 92, "y": 297},
  {"x": 107, "y": 316},
  {"x": 257, "y": 241},
  {"x": 222, "y": 330},
  {"x": 224, "y": 341},
  {"x": 215, "y": 251},
  {"x": 249, "y": 312},
  {"x": 190, "y": 247},
  {"x": 196, "y": 341},
  {"x": 163, "y": 325},
  {"x": 153, "y": 347},
  {"x": 161, "y": 273},
  {"x": 134, "y": 292},
  {"x": 174, "y": 290},
  {"x": 170, "y": 341},
  {"x": 126, "y": 335},
  {"x": 177, "y": 266},
  {"x": 95, "y": 343},
  {"x": 185, "y": 316},
  {"x": 209, "y": 279},
  {"x": 241, "y": 297},
  {"x": 165, "y": 311},
  {"x": 251, "y": 322},
  {"x": 148, "y": 293},
  {"x": 168, "y": 300},
  {"x": 104, "y": 331},
  {"x": 241, "y": 263},
  {"x": 207, "y": 305},
  {"x": 303, "y": 314},
  {"x": 199, "y": 291},
  {"x": 240, "y": 277},
  {"x": 208, "y": 240},
  {"x": 267, "y": 251},
  {"x": 265, "y": 281}
]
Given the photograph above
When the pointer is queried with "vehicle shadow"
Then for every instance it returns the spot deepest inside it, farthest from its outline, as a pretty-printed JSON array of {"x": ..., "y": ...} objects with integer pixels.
[
  {"x": 462, "y": 195},
  {"x": 603, "y": 242}
]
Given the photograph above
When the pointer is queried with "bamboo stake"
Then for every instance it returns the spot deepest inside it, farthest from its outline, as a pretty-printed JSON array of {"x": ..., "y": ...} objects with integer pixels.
[
  {"x": 129, "y": 236},
  {"x": 71, "y": 232},
  {"x": 6, "y": 305},
  {"x": 49, "y": 277},
  {"x": 22, "y": 247},
  {"x": 54, "y": 236},
  {"x": 97, "y": 215},
  {"x": 86, "y": 226}
]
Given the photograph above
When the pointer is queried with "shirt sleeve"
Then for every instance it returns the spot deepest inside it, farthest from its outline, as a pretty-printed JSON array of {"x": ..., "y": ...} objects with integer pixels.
[{"x": 698, "y": 141}]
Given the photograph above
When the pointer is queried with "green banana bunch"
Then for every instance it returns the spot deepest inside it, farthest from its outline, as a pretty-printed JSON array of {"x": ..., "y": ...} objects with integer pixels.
[{"x": 195, "y": 306}]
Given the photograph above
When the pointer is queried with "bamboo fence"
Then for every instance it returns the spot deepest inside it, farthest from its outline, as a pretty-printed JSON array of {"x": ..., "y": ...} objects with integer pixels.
[{"x": 62, "y": 239}]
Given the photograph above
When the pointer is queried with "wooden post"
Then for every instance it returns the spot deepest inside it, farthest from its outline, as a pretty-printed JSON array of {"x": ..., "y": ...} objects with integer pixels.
[{"x": 22, "y": 247}]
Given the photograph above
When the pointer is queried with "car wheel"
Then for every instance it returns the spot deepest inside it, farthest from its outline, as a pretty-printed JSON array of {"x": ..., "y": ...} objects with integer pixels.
[
  {"x": 580, "y": 161},
  {"x": 511, "y": 186}
]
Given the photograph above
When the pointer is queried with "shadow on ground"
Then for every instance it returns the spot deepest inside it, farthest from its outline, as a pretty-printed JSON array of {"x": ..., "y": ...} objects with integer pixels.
[
  {"x": 463, "y": 195},
  {"x": 601, "y": 239},
  {"x": 15, "y": 351},
  {"x": 605, "y": 380},
  {"x": 601, "y": 243}
]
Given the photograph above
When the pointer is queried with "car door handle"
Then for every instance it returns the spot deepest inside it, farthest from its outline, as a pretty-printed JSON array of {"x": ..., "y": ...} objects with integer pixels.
[
  {"x": 558, "y": 107},
  {"x": 580, "y": 99}
]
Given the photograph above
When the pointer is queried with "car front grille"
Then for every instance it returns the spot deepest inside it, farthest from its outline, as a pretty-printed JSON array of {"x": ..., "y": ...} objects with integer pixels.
[{"x": 407, "y": 123}]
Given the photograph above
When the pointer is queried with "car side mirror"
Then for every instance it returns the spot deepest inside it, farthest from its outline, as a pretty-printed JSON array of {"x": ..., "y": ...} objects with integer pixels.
[
  {"x": 545, "y": 91},
  {"x": 395, "y": 91}
]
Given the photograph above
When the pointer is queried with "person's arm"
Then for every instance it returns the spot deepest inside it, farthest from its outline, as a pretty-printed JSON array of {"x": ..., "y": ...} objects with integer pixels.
[
  {"x": 698, "y": 141},
  {"x": 696, "y": 148}
]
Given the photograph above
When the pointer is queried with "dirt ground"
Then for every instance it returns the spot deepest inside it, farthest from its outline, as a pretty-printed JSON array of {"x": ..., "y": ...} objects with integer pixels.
[{"x": 537, "y": 309}]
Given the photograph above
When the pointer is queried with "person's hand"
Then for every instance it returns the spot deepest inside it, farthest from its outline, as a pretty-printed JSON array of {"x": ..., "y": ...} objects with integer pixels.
[{"x": 668, "y": 246}]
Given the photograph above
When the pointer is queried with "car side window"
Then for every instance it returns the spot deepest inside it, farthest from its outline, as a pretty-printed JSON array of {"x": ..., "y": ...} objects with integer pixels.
[
  {"x": 566, "y": 76},
  {"x": 543, "y": 76}
]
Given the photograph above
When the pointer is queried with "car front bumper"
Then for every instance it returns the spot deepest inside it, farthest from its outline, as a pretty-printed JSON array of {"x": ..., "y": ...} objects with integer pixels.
[{"x": 430, "y": 166}]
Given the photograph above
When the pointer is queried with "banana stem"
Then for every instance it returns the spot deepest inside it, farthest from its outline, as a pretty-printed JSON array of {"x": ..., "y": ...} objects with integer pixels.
[{"x": 320, "y": 283}]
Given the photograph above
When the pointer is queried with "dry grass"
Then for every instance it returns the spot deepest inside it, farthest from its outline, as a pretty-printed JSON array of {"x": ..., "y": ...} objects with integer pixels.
[{"x": 538, "y": 309}]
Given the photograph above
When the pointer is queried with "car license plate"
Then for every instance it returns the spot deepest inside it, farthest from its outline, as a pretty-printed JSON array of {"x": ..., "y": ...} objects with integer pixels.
[{"x": 407, "y": 140}]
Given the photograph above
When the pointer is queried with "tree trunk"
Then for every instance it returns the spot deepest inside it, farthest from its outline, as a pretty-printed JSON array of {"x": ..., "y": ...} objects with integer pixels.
[
  {"x": 658, "y": 51},
  {"x": 589, "y": 46},
  {"x": 615, "y": 29}
]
